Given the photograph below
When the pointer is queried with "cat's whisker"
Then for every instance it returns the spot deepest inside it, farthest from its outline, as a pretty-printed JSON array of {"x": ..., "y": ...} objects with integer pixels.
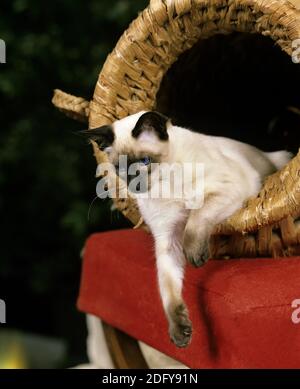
[{"x": 90, "y": 207}]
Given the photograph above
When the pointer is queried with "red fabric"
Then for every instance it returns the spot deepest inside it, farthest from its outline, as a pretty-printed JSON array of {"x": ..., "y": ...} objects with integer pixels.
[{"x": 240, "y": 309}]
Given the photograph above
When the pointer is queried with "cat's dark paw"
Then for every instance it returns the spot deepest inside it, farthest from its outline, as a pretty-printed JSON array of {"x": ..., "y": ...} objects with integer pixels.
[
  {"x": 198, "y": 257},
  {"x": 180, "y": 327}
]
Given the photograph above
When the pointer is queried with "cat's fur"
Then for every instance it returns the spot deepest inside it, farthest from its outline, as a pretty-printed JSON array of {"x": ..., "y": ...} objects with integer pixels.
[{"x": 233, "y": 172}]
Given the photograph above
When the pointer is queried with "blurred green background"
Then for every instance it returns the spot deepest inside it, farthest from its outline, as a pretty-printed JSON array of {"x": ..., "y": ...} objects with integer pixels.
[{"x": 46, "y": 171}]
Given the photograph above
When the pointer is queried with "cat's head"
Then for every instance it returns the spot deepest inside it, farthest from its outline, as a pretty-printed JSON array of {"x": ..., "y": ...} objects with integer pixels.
[{"x": 142, "y": 135}]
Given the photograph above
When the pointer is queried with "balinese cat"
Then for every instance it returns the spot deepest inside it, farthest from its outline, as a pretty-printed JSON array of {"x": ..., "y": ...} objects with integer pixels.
[{"x": 233, "y": 172}]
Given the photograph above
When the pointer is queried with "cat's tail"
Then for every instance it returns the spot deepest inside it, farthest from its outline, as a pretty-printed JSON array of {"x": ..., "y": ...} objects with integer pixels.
[{"x": 279, "y": 158}]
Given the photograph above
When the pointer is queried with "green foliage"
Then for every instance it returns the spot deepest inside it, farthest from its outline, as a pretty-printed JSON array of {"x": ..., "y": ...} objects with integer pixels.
[{"x": 46, "y": 171}]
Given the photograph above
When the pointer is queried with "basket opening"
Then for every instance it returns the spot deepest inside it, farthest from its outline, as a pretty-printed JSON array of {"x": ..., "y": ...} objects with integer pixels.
[{"x": 238, "y": 85}]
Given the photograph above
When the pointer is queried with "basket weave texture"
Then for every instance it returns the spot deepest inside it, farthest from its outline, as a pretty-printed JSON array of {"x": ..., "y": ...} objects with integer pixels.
[{"x": 131, "y": 77}]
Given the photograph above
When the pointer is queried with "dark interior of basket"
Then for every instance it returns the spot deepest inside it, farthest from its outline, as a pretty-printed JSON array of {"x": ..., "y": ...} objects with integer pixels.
[{"x": 241, "y": 86}]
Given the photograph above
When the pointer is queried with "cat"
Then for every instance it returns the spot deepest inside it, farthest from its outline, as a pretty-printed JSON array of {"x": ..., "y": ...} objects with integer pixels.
[{"x": 233, "y": 172}]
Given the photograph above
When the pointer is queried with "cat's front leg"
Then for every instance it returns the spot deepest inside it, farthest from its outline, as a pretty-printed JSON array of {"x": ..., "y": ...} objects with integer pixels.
[
  {"x": 216, "y": 208},
  {"x": 170, "y": 266},
  {"x": 197, "y": 254},
  {"x": 167, "y": 222},
  {"x": 196, "y": 239}
]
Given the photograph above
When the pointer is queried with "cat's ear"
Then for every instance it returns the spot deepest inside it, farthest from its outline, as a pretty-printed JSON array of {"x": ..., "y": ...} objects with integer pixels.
[
  {"x": 103, "y": 136},
  {"x": 151, "y": 125}
]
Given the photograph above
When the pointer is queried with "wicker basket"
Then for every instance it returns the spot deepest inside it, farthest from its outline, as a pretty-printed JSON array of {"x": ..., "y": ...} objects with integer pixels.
[{"x": 135, "y": 77}]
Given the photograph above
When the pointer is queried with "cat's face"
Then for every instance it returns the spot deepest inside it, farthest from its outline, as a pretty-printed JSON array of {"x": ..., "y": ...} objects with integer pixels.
[{"x": 141, "y": 137}]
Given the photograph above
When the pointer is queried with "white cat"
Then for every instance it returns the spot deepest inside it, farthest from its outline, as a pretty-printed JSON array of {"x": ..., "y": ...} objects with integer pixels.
[{"x": 233, "y": 172}]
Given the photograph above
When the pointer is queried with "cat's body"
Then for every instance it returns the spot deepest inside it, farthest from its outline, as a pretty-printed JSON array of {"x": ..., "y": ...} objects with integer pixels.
[{"x": 233, "y": 172}]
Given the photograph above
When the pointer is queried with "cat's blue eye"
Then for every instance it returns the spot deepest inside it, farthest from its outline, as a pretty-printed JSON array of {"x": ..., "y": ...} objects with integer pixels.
[{"x": 146, "y": 161}]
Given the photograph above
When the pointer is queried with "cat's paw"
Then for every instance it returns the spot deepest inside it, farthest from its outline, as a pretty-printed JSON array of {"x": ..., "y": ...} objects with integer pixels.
[
  {"x": 180, "y": 326},
  {"x": 197, "y": 254}
]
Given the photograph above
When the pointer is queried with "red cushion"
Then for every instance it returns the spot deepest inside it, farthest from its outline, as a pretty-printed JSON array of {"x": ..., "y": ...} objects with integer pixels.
[{"x": 240, "y": 309}]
